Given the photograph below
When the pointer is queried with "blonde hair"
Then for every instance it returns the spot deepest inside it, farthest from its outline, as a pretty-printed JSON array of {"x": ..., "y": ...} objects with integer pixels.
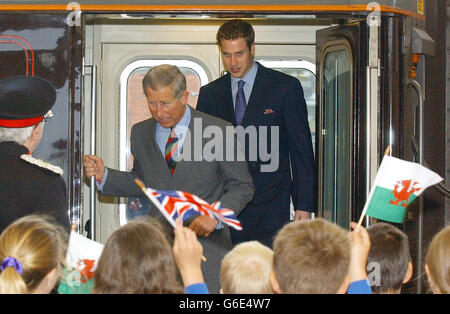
[
  {"x": 311, "y": 257},
  {"x": 38, "y": 245},
  {"x": 246, "y": 269},
  {"x": 438, "y": 261}
]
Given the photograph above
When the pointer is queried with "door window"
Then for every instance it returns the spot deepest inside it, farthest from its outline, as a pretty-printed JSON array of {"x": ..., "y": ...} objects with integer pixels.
[{"x": 336, "y": 116}]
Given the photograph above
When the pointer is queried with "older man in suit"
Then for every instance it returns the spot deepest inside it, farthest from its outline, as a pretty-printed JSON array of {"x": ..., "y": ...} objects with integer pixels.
[
  {"x": 254, "y": 96},
  {"x": 157, "y": 142}
]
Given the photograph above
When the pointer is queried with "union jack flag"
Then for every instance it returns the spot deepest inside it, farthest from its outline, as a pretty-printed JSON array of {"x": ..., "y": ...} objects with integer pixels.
[{"x": 174, "y": 204}]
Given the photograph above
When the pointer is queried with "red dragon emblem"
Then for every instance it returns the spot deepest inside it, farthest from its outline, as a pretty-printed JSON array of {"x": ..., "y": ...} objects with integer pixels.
[
  {"x": 402, "y": 191},
  {"x": 84, "y": 267}
]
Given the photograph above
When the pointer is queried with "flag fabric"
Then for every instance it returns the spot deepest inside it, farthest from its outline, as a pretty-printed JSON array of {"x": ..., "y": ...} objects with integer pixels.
[
  {"x": 81, "y": 262},
  {"x": 397, "y": 184},
  {"x": 174, "y": 204}
]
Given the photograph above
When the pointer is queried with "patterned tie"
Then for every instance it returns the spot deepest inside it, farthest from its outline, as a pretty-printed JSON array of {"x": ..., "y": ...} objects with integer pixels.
[
  {"x": 171, "y": 150},
  {"x": 240, "y": 105}
]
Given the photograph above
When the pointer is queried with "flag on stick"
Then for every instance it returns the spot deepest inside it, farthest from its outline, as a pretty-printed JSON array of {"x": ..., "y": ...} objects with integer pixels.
[
  {"x": 81, "y": 259},
  {"x": 174, "y": 204},
  {"x": 397, "y": 184}
]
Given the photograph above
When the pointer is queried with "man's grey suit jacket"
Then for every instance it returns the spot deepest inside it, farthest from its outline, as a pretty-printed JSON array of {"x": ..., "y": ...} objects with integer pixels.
[{"x": 227, "y": 181}]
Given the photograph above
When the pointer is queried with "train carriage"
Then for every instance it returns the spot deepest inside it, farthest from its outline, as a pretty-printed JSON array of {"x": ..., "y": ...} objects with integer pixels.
[{"x": 373, "y": 75}]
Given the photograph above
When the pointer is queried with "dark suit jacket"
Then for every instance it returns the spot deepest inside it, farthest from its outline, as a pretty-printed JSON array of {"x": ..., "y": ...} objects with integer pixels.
[
  {"x": 227, "y": 181},
  {"x": 27, "y": 189},
  {"x": 276, "y": 100}
]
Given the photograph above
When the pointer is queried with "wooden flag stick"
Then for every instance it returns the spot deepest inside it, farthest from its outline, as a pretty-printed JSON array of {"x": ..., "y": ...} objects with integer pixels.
[
  {"x": 141, "y": 185},
  {"x": 369, "y": 198}
]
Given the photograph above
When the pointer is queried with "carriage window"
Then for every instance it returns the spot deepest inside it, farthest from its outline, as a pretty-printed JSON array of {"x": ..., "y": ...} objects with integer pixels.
[
  {"x": 133, "y": 109},
  {"x": 305, "y": 72},
  {"x": 336, "y": 130}
]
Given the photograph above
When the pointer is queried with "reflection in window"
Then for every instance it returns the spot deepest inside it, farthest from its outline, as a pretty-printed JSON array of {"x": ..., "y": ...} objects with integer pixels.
[{"x": 337, "y": 126}]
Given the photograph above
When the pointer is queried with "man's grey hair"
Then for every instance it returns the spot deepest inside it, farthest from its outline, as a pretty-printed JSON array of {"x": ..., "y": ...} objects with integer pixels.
[
  {"x": 18, "y": 135},
  {"x": 165, "y": 75}
]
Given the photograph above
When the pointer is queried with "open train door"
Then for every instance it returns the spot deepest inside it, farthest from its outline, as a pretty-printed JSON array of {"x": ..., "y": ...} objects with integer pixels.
[{"x": 344, "y": 125}]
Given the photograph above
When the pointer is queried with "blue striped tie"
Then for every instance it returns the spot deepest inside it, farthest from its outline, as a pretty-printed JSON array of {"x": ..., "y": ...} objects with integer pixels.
[{"x": 240, "y": 104}]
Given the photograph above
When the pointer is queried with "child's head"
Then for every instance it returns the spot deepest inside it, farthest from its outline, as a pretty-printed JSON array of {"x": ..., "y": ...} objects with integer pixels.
[
  {"x": 310, "y": 257},
  {"x": 246, "y": 269},
  {"x": 438, "y": 262},
  {"x": 137, "y": 258},
  {"x": 389, "y": 255},
  {"x": 32, "y": 252}
]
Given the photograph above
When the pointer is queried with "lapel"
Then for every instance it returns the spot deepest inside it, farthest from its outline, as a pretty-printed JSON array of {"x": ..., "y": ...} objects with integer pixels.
[
  {"x": 258, "y": 97},
  {"x": 226, "y": 101},
  {"x": 152, "y": 149}
]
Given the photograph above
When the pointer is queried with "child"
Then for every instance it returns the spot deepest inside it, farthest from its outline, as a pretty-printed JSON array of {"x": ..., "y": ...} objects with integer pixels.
[
  {"x": 137, "y": 258},
  {"x": 437, "y": 261},
  {"x": 389, "y": 258},
  {"x": 317, "y": 257},
  {"x": 246, "y": 269},
  {"x": 32, "y": 252}
]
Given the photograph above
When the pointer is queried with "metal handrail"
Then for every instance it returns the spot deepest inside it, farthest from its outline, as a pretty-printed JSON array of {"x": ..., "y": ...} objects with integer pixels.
[
  {"x": 421, "y": 95},
  {"x": 92, "y": 149}
]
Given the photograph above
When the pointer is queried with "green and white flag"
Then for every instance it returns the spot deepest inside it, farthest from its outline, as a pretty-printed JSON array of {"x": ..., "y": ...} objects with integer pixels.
[
  {"x": 397, "y": 184},
  {"x": 81, "y": 259}
]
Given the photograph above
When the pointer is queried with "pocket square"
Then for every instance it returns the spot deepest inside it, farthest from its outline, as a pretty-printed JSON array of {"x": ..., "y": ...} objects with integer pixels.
[{"x": 268, "y": 110}]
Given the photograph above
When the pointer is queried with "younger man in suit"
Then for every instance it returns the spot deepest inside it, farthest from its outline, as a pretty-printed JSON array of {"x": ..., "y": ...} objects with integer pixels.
[{"x": 256, "y": 97}]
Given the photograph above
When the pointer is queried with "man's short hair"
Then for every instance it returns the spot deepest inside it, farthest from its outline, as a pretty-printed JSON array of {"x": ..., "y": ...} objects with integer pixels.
[
  {"x": 390, "y": 250},
  {"x": 246, "y": 269},
  {"x": 311, "y": 257},
  {"x": 18, "y": 135},
  {"x": 234, "y": 29},
  {"x": 165, "y": 75}
]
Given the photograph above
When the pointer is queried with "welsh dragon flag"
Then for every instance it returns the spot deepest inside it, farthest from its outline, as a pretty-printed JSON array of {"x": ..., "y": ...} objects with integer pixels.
[
  {"x": 397, "y": 184},
  {"x": 81, "y": 259}
]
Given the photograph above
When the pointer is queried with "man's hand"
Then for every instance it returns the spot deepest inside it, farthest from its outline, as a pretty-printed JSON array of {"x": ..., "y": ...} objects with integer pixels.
[
  {"x": 203, "y": 225},
  {"x": 302, "y": 215},
  {"x": 360, "y": 246},
  {"x": 93, "y": 166}
]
